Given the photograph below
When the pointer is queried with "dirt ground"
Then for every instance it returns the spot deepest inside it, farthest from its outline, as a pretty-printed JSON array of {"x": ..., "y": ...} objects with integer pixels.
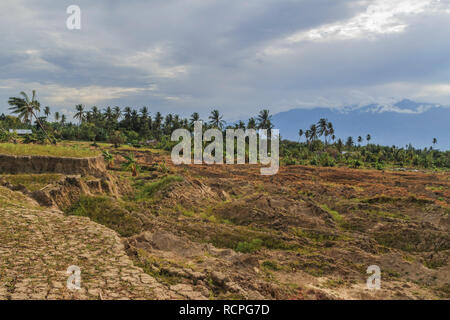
[
  {"x": 226, "y": 232},
  {"x": 305, "y": 233}
]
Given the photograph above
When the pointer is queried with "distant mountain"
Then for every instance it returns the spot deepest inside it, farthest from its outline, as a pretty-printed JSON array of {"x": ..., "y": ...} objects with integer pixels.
[{"x": 398, "y": 124}]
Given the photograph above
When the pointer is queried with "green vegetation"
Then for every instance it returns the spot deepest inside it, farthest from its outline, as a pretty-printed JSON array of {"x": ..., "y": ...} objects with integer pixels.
[
  {"x": 137, "y": 128},
  {"x": 130, "y": 164},
  {"x": 249, "y": 247},
  {"x": 107, "y": 211},
  {"x": 149, "y": 189},
  {"x": 336, "y": 215},
  {"x": 156, "y": 267},
  {"x": 271, "y": 265},
  {"x": 46, "y": 150}
]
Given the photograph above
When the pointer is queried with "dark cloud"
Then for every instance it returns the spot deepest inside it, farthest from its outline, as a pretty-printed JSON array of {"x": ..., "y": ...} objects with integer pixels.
[{"x": 239, "y": 56}]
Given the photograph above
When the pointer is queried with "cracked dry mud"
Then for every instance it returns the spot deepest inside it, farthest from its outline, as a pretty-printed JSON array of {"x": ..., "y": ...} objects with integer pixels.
[{"x": 37, "y": 246}]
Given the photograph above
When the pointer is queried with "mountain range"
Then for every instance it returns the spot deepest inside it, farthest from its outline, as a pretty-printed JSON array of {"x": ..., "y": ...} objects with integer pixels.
[{"x": 397, "y": 124}]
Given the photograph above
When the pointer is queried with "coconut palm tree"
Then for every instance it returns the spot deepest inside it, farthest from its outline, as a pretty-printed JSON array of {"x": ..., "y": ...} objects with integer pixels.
[
  {"x": 80, "y": 113},
  {"x": 264, "y": 120},
  {"x": 368, "y": 138},
  {"x": 330, "y": 130},
  {"x": 322, "y": 127},
  {"x": 194, "y": 117},
  {"x": 313, "y": 132},
  {"x": 56, "y": 116},
  {"x": 434, "y": 140},
  {"x": 216, "y": 119},
  {"x": 27, "y": 108},
  {"x": 359, "y": 140},
  {"x": 117, "y": 113},
  {"x": 251, "y": 124},
  {"x": 47, "y": 111},
  {"x": 300, "y": 134},
  {"x": 157, "y": 122},
  {"x": 349, "y": 142}
]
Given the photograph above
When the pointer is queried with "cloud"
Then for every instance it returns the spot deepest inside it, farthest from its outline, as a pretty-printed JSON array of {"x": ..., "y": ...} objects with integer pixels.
[
  {"x": 380, "y": 17},
  {"x": 191, "y": 55}
]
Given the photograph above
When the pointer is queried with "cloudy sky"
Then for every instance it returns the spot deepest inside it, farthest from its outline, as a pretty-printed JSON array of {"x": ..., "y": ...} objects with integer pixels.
[{"x": 239, "y": 56}]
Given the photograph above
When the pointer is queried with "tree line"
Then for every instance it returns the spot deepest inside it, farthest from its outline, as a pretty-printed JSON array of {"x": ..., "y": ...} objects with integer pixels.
[{"x": 118, "y": 126}]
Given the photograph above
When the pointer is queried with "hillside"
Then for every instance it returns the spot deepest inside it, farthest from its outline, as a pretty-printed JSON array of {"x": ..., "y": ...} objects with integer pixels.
[{"x": 226, "y": 232}]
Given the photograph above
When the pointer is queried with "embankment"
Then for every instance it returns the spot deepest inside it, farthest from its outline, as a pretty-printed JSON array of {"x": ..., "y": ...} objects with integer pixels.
[{"x": 10, "y": 164}]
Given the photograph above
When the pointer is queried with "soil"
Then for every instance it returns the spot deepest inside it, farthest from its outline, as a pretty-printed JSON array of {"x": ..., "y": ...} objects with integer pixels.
[{"x": 226, "y": 232}]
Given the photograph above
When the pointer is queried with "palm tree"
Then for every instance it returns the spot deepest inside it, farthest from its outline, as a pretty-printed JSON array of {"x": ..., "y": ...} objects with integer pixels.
[
  {"x": 157, "y": 122},
  {"x": 368, "y": 138},
  {"x": 240, "y": 125},
  {"x": 264, "y": 119},
  {"x": 47, "y": 111},
  {"x": 322, "y": 126},
  {"x": 144, "y": 112},
  {"x": 27, "y": 108},
  {"x": 300, "y": 134},
  {"x": 80, "y": 113},
  {"x": 117, "y": 112},
  {"x": 63, "y": 119},
  {"x": 359, "y": 140},
  {"x": 330, "y": 130},
  {"x": 434, "y": 140},
  {"x": 349, "y": 142},
  {"x": 108, "y": 114},
  {"x": 56, "y": 116},
  {"x": 131, "y": 164},
  {"x": 216, "y": 119},
  {"x": 313, "y": 132},
  {"x": 194, "y": 117},
  {"x": 251, "y": 124}
]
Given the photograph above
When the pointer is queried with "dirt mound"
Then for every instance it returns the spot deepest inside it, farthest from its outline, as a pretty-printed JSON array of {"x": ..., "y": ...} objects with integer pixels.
[{"x": 44, "y": 164}]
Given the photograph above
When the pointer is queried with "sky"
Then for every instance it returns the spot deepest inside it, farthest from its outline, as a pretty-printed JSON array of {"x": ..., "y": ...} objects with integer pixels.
[{"x": 237, "y": 56}]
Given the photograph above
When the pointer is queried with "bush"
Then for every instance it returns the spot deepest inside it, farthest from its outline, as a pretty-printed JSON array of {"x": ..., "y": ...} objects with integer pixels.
[
  {"x": 249, "y": 247},
  {"x": 326, "y": 161},
  {"x": 106, "y": 211},
  {"x": 356, "y": 164},
  {"x": 150, "y": 189}
]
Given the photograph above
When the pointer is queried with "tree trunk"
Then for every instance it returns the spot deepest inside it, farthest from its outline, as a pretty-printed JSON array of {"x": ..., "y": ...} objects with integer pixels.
[{"x": 42, "y": 127}]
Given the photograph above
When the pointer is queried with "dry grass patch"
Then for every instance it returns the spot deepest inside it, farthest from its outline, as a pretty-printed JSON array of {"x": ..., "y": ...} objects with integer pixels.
[{"x": 74, "y": 151}]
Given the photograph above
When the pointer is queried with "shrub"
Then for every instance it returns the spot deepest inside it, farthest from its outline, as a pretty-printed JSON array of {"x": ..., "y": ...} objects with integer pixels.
[
  {"x": 106, "y": 211},
  {"x": 249, "y": 247},
  {"x": 326, "y": 161},
  {"x": 150, "y": 189}
]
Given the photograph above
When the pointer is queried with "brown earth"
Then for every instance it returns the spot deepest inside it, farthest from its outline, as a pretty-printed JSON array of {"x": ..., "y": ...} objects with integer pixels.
[
  {"x": 94, "y": 166},
  {"x": 320, "y": 229},
  {"x": 227, "y": 232}
]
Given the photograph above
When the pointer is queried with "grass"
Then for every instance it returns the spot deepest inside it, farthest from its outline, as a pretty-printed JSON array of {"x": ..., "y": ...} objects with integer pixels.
[
  {"x": 336, "y": 215},
  {"x": 75, "y": 151},
  {"x": 249, "y": 247},
  {"x": 149, "y": 189},
  {"x": 106, "y": 211},
  {"x": 155, "y": 267},
  {"x": 10, "y": 198},
  {"x": 32, "y": 182}
]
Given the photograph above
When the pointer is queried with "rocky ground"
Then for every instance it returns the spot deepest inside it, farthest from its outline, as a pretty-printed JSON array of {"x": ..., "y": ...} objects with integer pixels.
[
  {"x": 38, "y": 245},
  {"x": 209, "y": 232}
]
